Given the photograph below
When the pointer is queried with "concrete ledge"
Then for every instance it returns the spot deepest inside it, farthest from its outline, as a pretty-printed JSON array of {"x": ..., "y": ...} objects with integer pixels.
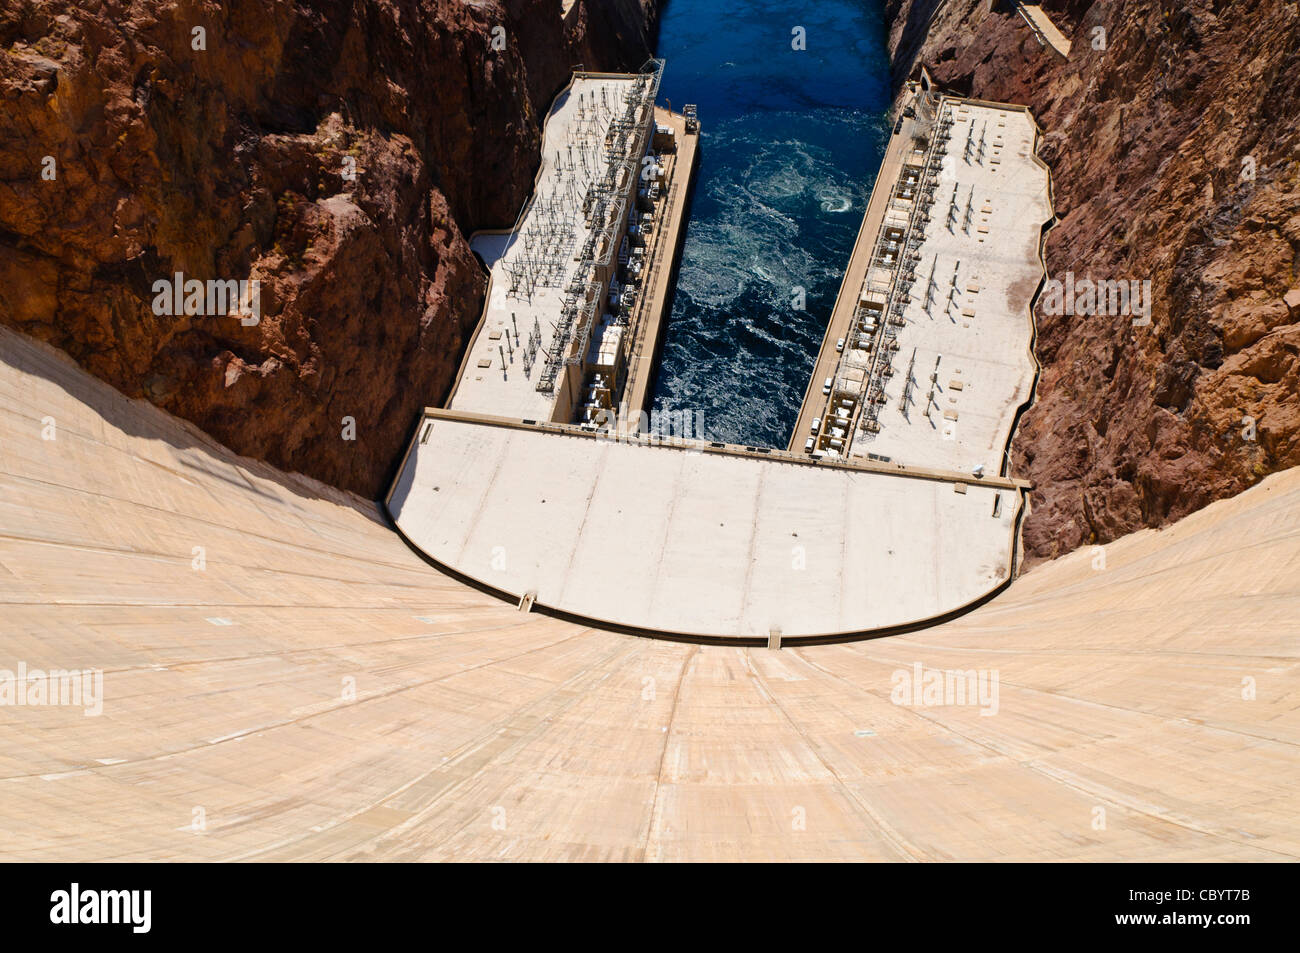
[
  {"x": 697, "y": 540},
  {"x": 632, "y": 436}
]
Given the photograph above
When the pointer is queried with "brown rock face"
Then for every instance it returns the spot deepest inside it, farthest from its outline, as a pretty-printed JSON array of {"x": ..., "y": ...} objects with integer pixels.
[
  {"x": 1173, "y": 133},
  {"x": 337, "y": 151}
]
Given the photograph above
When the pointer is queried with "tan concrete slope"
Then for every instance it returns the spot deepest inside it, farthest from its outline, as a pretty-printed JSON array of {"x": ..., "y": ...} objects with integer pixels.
[{"x": 316, "y": 692}]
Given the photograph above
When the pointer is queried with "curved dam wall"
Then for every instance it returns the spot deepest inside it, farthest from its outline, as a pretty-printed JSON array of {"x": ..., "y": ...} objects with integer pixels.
[{"x": 322, "y": 694}]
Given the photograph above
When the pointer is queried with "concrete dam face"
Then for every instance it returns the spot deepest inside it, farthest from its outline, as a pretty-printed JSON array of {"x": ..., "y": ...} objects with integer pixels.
[{"x": 249, "y": 665}]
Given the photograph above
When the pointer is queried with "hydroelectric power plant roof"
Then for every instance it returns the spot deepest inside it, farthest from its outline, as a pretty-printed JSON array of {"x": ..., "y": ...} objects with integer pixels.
[
  {"x": 879, "y": 516},
  {"x": 533, "y": 264}
]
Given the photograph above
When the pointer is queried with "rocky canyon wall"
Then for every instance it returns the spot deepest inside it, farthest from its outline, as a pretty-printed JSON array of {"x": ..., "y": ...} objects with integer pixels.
[
  {"x": 1173, "y": 134},
  {"x": 338, "y": 151}
]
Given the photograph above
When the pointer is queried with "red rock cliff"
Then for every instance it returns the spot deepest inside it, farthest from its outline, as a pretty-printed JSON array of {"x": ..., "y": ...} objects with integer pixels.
[
  {"x": 219, "y": 140},
  {"x": 1153, "y": 125}
]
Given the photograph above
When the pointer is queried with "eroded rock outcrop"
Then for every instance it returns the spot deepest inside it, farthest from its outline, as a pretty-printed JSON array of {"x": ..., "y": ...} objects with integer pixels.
[
  {"x": 338, "y": 152},
  {"x": 1173, "y": 133}
]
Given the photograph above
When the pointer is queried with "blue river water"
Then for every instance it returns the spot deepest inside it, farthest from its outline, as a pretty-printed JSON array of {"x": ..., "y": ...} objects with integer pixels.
[{"x": 791, "y": 143}]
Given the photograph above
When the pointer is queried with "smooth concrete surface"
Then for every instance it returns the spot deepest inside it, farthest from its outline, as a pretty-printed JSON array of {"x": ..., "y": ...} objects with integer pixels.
[
  {"x": 681, "y": 541},
  {"x": 351, "y": 703}
]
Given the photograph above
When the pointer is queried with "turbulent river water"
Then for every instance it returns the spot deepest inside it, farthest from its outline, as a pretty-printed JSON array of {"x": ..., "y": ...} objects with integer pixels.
[{"x": 791, "y": 143}]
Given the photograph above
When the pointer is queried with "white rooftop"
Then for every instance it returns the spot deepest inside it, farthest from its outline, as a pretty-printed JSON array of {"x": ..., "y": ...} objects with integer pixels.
[
  {"x": 698, "y": 543},
  {"x": 605, "y": 338},
  {"x": 977, "y": 335},
  {"x": 581, "y": 115}
]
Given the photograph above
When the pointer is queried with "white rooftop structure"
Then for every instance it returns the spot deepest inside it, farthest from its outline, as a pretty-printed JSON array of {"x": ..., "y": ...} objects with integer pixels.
[
  {"x": 699, "y": 542},
  {"x": 605, "y": 340},
  {"x": 532, "y": 265},
  {"x": 971, "y": 327}
]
